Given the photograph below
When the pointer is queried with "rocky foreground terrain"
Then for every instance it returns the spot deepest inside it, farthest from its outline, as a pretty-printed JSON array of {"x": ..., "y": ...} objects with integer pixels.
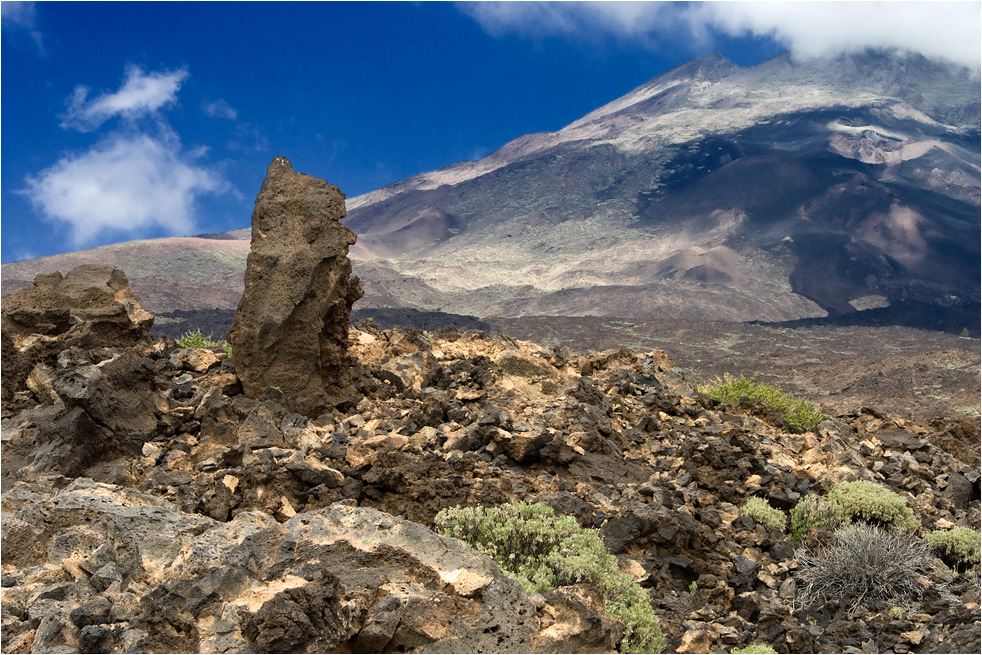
[
  {"x": 163, "y": 499},
  {"x": 148, "y": 505}
]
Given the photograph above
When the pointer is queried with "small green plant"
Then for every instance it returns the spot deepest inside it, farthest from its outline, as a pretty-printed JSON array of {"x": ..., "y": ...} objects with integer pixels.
[
  {"x": 960, "y": 546},
  {"x": 754, "y": 649},
  {"x": 760, "y": 511},
  {"x": 864, "y": 566},
  {"x": 897, "y": 613},
  {"x": 964, "y": 334},
  {"x": 692, "y": 587},
  {"x": 800, "y": 415},
  {"x": 543, "y": 551},
  {"x": 197, "y": 340},
  {"x": 227, "y": 347},
  {"x": 873, "y": 503},
  {"x": 814, "y": 513}
]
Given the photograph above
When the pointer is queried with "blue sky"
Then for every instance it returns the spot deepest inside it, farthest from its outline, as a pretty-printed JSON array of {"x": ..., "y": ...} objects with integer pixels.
[{"x": 137, "y": 120}]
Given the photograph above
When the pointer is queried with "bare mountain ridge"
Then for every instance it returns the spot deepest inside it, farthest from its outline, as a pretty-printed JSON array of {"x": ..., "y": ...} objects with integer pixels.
[
  {"x": 780, "y": 192},
  {"x": 774, "y": 193}
]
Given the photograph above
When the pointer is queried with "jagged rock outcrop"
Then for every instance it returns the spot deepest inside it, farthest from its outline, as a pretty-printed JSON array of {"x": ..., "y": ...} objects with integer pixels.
[
  {"x": 291, "y": 326},
  {"x": 103, "y": 568},
  {"x": 98, "y": 411},
  {"x": 92, "y": 306}
]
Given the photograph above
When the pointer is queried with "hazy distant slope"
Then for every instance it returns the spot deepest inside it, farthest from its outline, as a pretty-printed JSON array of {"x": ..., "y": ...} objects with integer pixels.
[{"x": 180, "y": 273}]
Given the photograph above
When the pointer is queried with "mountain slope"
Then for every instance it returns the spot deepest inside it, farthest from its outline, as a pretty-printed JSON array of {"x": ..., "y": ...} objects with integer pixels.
[{"x": 780, "y": 192}]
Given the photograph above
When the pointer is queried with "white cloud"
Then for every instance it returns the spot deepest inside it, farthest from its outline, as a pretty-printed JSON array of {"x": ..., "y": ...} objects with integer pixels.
[
  {"x": 141, "y": 94},
  {"x": 948, "y": 30},
  {"x": 219, "y": 109},
  {"x": 22, "y": 16},
  {"x": 579, "y": 18},
  {"x": 134, "y": 180},
  {"x": 939, "y": 29},
  {"x": 125, "y": 185}
]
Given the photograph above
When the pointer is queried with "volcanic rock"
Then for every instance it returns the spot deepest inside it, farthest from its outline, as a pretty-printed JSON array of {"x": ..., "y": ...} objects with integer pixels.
[
  {"x": 325, "y": 579},
  {"x": 237, "y": 525},
  {"x": 291, "y": 326},
  {"x": 91, "y": 307},
  {"x": 575, "y": 621}
]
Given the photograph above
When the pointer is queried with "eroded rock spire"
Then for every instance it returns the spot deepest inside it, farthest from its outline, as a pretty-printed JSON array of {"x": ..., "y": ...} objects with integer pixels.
[{"x": 291, "y": 326}]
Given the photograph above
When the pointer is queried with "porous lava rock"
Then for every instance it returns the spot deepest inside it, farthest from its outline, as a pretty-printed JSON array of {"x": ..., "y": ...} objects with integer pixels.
[
  {"x": 92, "y": 306},
  {"x": 291, "y": 326},
  {"x": 156, "y": 579}
]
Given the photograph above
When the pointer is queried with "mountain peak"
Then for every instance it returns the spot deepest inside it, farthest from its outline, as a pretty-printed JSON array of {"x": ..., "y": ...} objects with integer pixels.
[{"x": 711, "y": 67}]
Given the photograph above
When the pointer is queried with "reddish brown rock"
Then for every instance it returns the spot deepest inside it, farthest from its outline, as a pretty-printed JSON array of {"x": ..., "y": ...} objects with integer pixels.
[
  {"x": 574, "y": 621},
  {"x": 291, "y": 327}
]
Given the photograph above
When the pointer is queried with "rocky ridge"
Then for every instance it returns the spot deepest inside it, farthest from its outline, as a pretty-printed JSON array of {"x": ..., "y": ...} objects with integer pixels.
[{"x": 238, "y": 525}]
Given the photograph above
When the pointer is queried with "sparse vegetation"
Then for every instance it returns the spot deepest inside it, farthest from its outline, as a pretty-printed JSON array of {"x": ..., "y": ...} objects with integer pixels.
[
  {"x": 800, "y": 415},
  {"x": 960, "y": 546},
  {"x": 760, "y": 511},
  {"x": 754, "y": 649},
  {"x": 864, "y": 566},
  {"x": 897, "y": 613},
  {"x": 194, "y": 339},
  {"x": 873, "y": 503},
  {"x": 543, "y": 551},
  {"x": 813, "y": 513}
]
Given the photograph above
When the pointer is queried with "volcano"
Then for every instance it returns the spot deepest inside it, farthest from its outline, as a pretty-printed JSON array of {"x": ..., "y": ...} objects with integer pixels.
[{"x": 843, "y": 190}]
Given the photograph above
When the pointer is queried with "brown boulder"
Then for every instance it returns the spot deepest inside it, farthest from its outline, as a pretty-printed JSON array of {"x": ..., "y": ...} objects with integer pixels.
[
  {"x": 291, "y": 326},
  {"x": 574, "y": 621},
  {"x": 91, "y": 307},
  {"x": 103, "y": 412}
]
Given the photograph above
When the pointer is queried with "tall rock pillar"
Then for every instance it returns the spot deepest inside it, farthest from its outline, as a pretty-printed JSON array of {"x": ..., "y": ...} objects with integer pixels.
[{"x": 291, "y": 326}]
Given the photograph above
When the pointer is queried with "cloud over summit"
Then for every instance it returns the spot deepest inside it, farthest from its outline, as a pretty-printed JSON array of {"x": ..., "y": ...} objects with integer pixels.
[{"x": 936, "y": 29}]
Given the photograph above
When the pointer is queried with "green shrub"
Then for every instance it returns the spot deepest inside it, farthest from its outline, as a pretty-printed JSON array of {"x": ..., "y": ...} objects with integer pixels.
[
  {"x": 754, "y": 649},
  {"x": 814, "y": 513},
  {"x": 543, "y": 551},
  {"x": 873, "y": 503},
  {"x": 864, "y": 566},
  {"x": 897, "y": 613},
  {"x": 759, "y": 510},
  {"x": 197, "y": 340},
  {"x": 800, "y": 415},
  {"x": 958, "y": 546}
]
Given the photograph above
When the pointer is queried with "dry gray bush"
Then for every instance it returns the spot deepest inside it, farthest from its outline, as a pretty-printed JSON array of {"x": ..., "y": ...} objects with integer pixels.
[{"x": 862, "y": 566}]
